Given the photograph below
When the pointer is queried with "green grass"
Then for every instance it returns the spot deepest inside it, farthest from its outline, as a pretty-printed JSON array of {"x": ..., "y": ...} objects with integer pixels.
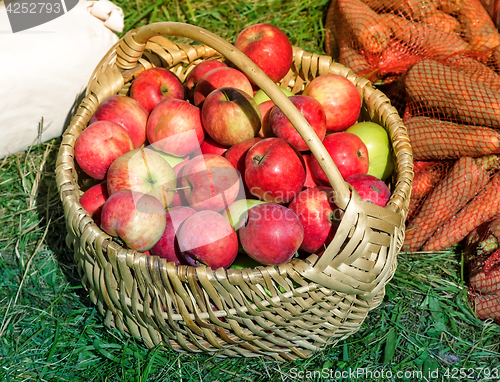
[
  {"x": 50, "y": 331},
  {"x": 301, "y": 20}
]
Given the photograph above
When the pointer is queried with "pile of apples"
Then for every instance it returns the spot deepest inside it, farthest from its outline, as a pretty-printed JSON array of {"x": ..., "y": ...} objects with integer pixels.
[{"x": 211, "y": 172}]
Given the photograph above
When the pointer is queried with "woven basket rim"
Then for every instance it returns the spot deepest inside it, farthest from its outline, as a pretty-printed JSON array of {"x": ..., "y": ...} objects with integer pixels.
[{"x": 383, "y": 101}]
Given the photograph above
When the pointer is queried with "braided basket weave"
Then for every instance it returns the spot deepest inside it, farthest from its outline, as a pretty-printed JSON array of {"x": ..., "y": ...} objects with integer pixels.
[{"x": 282, "y": 313}]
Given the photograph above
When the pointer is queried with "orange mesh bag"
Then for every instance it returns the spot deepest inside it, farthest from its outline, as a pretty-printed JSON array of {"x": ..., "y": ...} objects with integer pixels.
[
  {"x": 483, "y": 259},
  {"x": 382, "y": 39},
  {"x": 439, "y": 90},
  {"x": 439, "y": 66},
  {"x": 452, "y": 114},
  {"x": 426, "y": 174},
  {"x": 457, "y": 204}
]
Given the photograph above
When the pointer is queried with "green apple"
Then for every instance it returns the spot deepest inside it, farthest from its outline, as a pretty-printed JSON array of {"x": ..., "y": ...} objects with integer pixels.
[
  {"x": 243, "y": 261},
  {"x": 171, "y": 159},
  {"x": 376, "y": 139},
  {"x": 260, "y": 96},
  {"x": 235, "y": 212}
]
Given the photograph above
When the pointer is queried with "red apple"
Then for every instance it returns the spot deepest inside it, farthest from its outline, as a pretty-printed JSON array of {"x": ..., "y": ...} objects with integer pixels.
[
  {"x": 93, "y": 199},
  {"x": 199, "y": 71},
  {"x": 312, "y": 111},
  {"x": 165, "y": 247},
  {"x": 309, "y": 177},
  {"x": 267, "y": 46},
  {"x": 271, "y": 233},
  {"x": 370, "y": 188},
  {"x": 220, "y": 78},
  {"x": 236, "y": 154},
  {"x": 126, "y": 112},
  {"x": 154, "y": 85},
  {"x": 145, "y": 171},
  {"x": 230, "y": 116},
  {"x": 340, "y": 99},
  {"x": 319, "y": 216},
  {"x": 265, "y": 111},
  {"x": 209, "y": 146},
  {"x": 348, "y": 152},
  {"x": 206, "y": 237},
  {"x": 174, "y": 126},
  {"x": 99, "y": 145},
  {"x": 213, "y": 183},
  {"x": 138, "y": 219},
  {"x": 274, "y": 170}
]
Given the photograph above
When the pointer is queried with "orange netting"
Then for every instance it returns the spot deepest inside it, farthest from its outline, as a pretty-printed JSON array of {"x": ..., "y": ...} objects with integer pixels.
[
  {"x": 382, "y": 39},
  {"x": 483, "y": 255},
  {"x": 426, "y": 175},
  {"x": 439, "y": 63}
]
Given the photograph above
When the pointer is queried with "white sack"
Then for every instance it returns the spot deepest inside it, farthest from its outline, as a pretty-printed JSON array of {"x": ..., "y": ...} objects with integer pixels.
[{"x": 43, "y": 70}]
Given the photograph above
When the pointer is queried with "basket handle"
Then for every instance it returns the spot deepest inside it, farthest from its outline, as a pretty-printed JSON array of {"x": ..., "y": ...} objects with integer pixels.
[{"x": 247, "y": 66}]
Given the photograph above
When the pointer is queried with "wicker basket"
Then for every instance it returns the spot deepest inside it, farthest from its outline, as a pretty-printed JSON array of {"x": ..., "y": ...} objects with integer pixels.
[{"x": 282, "y": 313}]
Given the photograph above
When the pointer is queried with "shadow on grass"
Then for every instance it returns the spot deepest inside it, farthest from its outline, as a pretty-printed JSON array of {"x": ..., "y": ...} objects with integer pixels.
[{"x": 51, "y": 214}]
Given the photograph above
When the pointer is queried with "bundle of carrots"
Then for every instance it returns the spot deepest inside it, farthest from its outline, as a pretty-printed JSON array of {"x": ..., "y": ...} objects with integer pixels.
[
  {"x": 463, "y": 196},
  {"x": 441, "y": 59},
  {"x": 453, "y": 118},
  {"x": 382, "y": 39}
]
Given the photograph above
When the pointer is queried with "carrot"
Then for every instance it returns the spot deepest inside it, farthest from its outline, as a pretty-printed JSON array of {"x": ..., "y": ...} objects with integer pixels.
[
  {"x": 496, "y": 57},
  {"x": 480, "y": 209},
  {"x": 424, "y": 38},
  {"x": 396, "y": 59},
  {"x": 365, "y": 24},
  {"x": 412, "y": 9},
  {"x": 476, "y": 70},
  {"x": 443, "y": 21},
  {"x": 450, "y": 6},
  {"x": 487, "y": 306},
  {"x": 439, "y": 88},
  {"x": 413, "y": 207},
  {"x": 477, "y": 26},
  {"x": 466, "y": 177},
  {"x": 432, "y": 138},
  {"x": 426, "y": 174},
  {"x": 357, "y": 62}
]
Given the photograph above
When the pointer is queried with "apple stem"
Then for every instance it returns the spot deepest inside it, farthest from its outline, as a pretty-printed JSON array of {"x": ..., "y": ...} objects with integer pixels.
[
  {"x": 257, "y": 159},
  {"x": 178, "y": 188}
]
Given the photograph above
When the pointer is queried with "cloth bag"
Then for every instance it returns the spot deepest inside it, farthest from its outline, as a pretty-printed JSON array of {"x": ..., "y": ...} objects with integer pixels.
[{"x": 45, "y": 69}]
